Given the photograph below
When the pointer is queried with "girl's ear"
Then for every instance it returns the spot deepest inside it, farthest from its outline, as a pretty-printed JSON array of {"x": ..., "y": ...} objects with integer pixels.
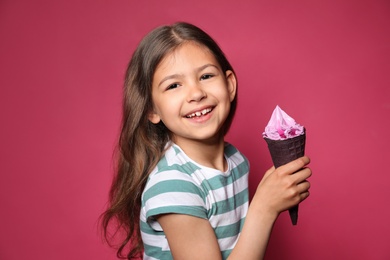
[
  {"x": 154, "y": 117},
  {"x": 231, "y": 84}
]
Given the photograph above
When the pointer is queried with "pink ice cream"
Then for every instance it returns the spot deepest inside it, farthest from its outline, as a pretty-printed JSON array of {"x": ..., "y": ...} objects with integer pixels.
[
  {"x": 281, "y": 126},
  {"x": 286, "y": 142}
]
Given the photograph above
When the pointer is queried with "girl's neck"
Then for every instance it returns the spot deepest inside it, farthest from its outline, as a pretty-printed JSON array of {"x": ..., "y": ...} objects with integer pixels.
[{"x": 209, "y": 154}]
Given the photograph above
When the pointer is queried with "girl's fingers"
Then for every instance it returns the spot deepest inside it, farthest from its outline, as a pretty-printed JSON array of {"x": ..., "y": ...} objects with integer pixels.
[
  {"x": 303, "y": 190},
  {"x": 294, "y": 166},
  {"x": 304, "y": 195},
  {"x": 303, "y": 186},
  {"x": 301, "y": 175}
]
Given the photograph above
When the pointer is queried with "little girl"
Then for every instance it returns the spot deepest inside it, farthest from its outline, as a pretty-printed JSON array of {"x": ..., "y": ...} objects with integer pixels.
[{"x": 180, "y": 190}]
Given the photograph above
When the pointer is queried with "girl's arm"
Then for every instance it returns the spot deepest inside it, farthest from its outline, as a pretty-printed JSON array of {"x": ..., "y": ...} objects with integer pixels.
[
  {"x": 278, "y": 191},
  {"x": 190, "y": 237},
  {"x": 193, "y": 238}
]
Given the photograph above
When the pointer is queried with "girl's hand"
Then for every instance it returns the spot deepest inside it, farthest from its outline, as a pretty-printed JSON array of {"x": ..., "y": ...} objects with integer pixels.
[{"x": 284, "y": 187}]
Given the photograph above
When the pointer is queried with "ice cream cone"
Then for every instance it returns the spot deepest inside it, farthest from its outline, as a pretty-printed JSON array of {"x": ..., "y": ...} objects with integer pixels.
[{"x": 285, "y": 151}]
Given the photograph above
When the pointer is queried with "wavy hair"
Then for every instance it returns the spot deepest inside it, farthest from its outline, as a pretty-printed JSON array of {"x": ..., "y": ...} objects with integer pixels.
[{"x": 142, "y": 143}]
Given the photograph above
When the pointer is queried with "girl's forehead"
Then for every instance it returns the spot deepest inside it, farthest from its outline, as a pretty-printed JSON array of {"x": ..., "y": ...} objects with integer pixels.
[{"x": 188, "y": 52}]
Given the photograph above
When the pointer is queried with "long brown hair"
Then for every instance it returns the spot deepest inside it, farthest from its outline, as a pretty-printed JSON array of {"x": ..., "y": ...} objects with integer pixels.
[{"x": 142, "y": 143}]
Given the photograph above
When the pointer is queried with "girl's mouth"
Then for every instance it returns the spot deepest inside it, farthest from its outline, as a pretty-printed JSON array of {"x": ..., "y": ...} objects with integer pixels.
[{"x": 199, "y": 113}]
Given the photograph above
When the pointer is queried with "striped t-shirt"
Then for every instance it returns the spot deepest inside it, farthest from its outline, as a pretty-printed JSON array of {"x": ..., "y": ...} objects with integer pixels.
[{"x": 180, "y": 185}]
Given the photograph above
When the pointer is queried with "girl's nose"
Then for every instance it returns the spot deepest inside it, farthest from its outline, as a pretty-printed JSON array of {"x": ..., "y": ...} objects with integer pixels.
[{"x": 196, "y": 93}]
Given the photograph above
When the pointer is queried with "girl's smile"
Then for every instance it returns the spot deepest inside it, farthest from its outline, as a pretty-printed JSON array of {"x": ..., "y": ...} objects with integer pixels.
[
  {"x": 200, "y": 113},
  {"x": 191, "y": 94},
  {"x": 200, "y": 116}
]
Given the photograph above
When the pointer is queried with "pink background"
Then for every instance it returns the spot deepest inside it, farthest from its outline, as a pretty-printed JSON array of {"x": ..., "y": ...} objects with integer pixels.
[{"x": 326, "y": 63}]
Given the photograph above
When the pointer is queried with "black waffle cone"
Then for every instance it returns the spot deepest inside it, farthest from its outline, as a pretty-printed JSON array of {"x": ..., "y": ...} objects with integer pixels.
[{"x": 285, "y": 151}]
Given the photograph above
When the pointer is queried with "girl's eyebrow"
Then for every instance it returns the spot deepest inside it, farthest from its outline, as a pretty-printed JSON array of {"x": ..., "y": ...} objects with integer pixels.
[{"x": 173, "y": 76}]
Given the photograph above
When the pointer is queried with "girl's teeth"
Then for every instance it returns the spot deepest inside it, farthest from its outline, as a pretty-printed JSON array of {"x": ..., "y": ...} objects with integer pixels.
[{"x": 199, "y": 113}]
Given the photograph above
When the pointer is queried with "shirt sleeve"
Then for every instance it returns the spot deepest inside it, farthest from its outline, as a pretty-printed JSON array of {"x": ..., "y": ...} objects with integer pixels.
[{"x": 172, "y": 192}]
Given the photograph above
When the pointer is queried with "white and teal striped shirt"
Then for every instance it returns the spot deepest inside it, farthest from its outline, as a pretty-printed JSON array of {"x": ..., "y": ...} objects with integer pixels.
[{"x": 180, "y": 185}]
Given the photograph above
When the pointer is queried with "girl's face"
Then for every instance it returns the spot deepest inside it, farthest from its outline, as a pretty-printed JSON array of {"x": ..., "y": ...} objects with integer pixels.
[{"x": 191, "y": 94}]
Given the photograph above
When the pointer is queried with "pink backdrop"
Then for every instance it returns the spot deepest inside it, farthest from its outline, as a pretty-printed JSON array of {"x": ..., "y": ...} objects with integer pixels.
[{"x": 324, "y": 62}]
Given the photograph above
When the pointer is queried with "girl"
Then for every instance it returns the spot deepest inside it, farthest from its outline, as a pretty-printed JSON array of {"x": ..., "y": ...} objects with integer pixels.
[{"x": 180, "y": 190}]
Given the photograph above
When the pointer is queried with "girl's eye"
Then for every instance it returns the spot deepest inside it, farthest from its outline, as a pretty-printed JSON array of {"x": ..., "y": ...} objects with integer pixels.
[
  {"x": 172, "y": 86},
  {"x": 206, "y": 76}
]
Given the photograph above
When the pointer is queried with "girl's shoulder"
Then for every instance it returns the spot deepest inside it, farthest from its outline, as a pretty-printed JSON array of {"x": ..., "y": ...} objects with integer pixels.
[
  {"x": 234, "y": 155},
  {"x": 173, "y": 174},
  {"x": 174, "y": 164}
]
